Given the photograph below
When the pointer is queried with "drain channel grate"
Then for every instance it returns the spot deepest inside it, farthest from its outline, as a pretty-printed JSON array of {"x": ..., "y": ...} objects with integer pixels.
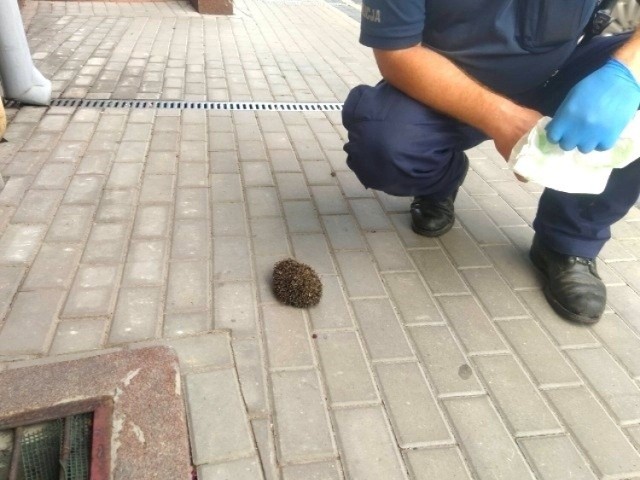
[
  {"x": 59, "y": 449},
  {"x": 187, "y": 105}
]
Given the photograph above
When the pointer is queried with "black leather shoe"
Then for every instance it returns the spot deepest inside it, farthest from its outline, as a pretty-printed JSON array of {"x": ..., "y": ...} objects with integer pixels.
[
  {"x": 573, "y": 288},
  {"x": 432, "y": 218}
]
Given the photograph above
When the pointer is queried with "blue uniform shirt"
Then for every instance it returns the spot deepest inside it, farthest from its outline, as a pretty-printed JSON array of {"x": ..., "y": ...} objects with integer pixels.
[{"x": 509, "y": 45}]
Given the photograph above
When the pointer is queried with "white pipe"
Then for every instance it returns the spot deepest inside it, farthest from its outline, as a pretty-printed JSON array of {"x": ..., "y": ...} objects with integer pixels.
[{"x": 21, "y": 80}]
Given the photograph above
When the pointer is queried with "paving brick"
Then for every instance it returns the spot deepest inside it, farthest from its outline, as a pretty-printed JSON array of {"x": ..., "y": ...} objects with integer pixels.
[
  {"x": 473, "y": 327},
  {"x": 229, "y": 219},
  {"x": 619, "y": 392},
  {"x": 257, "y": 174},
  {"x": 219, "y": 425},
  {"x": 438, "y": 271},
  {"x": 494, "y": 294},
  {"x": 124, "y": 175},
  {"x": 231, "y": 259},
  {"x": 524, "y": 410},
  {"x": 343, "y": 232},
  {"x": 444, "y": 362},
  {"x": 499, "y": 211},
  {"x": 346, "y": 372},
  {"x": 370, "y": 215},
  {"x": 94, "y": 163},
  {"x": 193, "y": 175},
  {"x": 411, "y": 300},
  {"x": 402, "y": 224},
  {"x": 13, "y": 191},
  {"x": 620, "y": 341},
  {"x": 84, "y": 189},
  {"x": 225, "y": 187},
  {"x": 157, "y": 189},
  {"x": 626, "y": 303},
  {"x": 107, "y": 243},
  {"x": 487, "y": 442},
  {"x": 180, "y": 324},
  {"x": 20, "y": 243},
  {"x": 287, "y": 338},
  {"x": 152, "y": 221},
  {"x": 565, "y": 333},
  {"x": 78, "y": 335},
  {"x": 301, "y": 217},
  {"x": 248, "y": 358},
  {"x": 71, "y": 224},
  {"x": 313, "y": 471},
  {"x": 53, "y": 267},
  {"x": 463, "y": 250},
  {"x": 116, "y": 206},
  {"x": 263, "y": 433},
  {"x": 134, "y": 152},
  {"x": 300, "y": 417},
  {"x": 54, "y": 176},
  {"x": 383, "y": 335},
  {"x": 10, "y": 278},
  {"x": 284, "y": 161},
  {"x": 514, "y": 266},
  {"x": 263, "y": 202},
  {"x": 191, "y": 240},
  {"x": 413, "y": 410},
  {"x": 269, "y": 236},
  {"x": 329, "y": 200},
  {"x": 543, "y": 359},
  {"x": 437, "y": 463},
  {"x": 235, "y": 308},
  {"x": 615, "y": 251},
  {"x": 313, "y": 250},
  {"x": 213, "y": 350},
  {"x": 351, "y": 186},
  {"x": 192, "y": 203},
  {"x": 145, "y": 263},
  {"x": 243, "y": 469},
  {"x": 359, "y": 274},
  {"x": 35, "y": 312},
  {"x": 521, "y": 236},
  {"x": 609, "y": 451},
  {"x": 555, "y": 457},
  {"x": 332, "y": 311},
  {"x": 367, "y": 449},
  {"x": 388, "y": 251},
  {"x": 292, "y": 186},
  {"x": 188, "y": 286},
  {"x": 137, "y": 315}
]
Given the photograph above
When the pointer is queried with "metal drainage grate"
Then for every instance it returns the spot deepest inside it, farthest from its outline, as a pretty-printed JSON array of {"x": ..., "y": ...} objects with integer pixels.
[
  {"x": 186, "y": 105},
  {"x": 59, "y": 449}
]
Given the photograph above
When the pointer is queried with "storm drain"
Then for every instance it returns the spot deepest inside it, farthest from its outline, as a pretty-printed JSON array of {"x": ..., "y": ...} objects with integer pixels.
[
  {"x": 59, "y": 449},
  {"x": 187, "y": 105}
]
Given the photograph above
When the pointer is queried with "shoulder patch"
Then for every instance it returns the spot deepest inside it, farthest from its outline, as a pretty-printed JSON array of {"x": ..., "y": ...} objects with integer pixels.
[{"x": 371, "y": 14}]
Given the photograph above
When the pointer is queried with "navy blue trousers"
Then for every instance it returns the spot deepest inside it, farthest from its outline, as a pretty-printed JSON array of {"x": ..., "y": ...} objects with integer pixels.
[{"x": 404, "y": 148}]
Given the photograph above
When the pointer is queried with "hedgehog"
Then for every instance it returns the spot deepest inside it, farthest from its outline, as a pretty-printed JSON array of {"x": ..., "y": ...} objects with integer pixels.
[{"x": 296, "y": 284}]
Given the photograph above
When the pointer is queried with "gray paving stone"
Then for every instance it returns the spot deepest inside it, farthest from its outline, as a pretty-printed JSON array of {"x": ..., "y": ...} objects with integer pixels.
[
  {"x": 359, "y": 274},
  {"x": 619, "y": 392},
  {"x": 555, "y": 457},
  {"x": 351, "y": 186},
  {"x": 370, "y": 215},
  {"x": 565, "y": 333},
  {"x": 439, "y": 273},
  {"x": 620, "y": 341},
  {"x": 107, "y": 243},
  {"x": 411, "y": 299},
  {"x": 473, "y": 327},
  {"x": 402, "y": 224},
  {"x": 145, "y": 263},
  {"x": 263, "y": 433},
  {"x": 54, "y": 176},
  {"x": 229, "y": 219},
  {"x": 300, "y": 417},
  {"x": 225, "y": 187},
  {"x": 332, "y": 311},
  {"x": 180, "y": 324},
  {"x": 388, "y": 251},
  {"x": 287, "y": 338},
  {"x": 463, "y": 250},
  {"x": 71, "y": 224},
  {"x": 313, "y": 471},
  {"x": 615, "y": 251},
  {"x": 606, "y": 447},
  {"x": 494, "y": 294},
  {"x": 219, "y": 426},
  {"x": 53, "y": 267},
  {"x": 367, "y": 449},
  {"x": 116, "y": 206},
  {"x": 35, "y": 312},
  {"x": 524, "y": 410},
  {"x": 157, "y": 189},
  {"x": 383, "y": 335},
  {"x": 269, "y": 236},
  {"x": 231, "y": 259},
  {"x": 248, "y": 357},
  {"x": 78, "y": 335},
  {"x": 292, "y": 186},
  {"x": 543, "y": 359},
  {"x": 243, "y": 469},
  {"x": 152, "y": 221},
  {"x": 14, "y": 190},
  {"x": 284, "y": 161},
  {"x": 10, "y": 279},
  {"x": 84, "y": 189},
  {"x": 313, "y": 250},
  {"x": 487, "y": 442},
  {"x": 444, "y": 362},
  {"x": 329, "y": 200},
  {"x": 301, "y": 217},
  {"x": 345, "y": 368},
  {"x": 263, "y": 202},
  {"x": 193, "y": 203},
  {"x": 212, "y": 350},
  {"x": 124, "y": 175},
  {"x": 137, "y": 315},
  {"x": 235, "y": 308},
  {"x": 188, "y": 287},
  {"x": 521, "y": 237},
  {"x": 499, "y": 211},
  {"x": 514, "y": 266},
  {"x": 191, "y": 240},
  {"x": 413, "y": 410},
  {"x": 437, "y": 463},
  {"x": 94, "y": 163},
  {"x": 20, "y": 243},
  {"x": 343, "y": 232},
  {"x": 626, "y": 303}
]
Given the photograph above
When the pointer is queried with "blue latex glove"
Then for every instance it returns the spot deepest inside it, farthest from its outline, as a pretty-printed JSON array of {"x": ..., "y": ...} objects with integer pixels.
[{"x": 596, "y": 110}]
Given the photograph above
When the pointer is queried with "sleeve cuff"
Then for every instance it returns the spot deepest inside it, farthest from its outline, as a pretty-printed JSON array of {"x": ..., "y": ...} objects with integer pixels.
[{"x": 387, "y": 43}]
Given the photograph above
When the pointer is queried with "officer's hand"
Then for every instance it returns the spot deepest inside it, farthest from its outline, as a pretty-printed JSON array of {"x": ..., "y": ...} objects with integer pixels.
[
  {"x": 512, "y": 126},
  {"x": 596, "y": 110}
]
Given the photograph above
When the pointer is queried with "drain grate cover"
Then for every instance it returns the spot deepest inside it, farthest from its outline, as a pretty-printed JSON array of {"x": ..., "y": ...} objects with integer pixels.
[{"x": 187, "y": 105}]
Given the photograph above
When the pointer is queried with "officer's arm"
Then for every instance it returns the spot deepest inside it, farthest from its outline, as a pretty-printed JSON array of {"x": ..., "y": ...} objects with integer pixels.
[
  {"x": 629, "y": 54},
  {"x": 435, "y": 81}
]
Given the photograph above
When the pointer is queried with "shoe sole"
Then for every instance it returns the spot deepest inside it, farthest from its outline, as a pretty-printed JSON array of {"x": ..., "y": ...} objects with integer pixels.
[{"x": 555, "y": 304}]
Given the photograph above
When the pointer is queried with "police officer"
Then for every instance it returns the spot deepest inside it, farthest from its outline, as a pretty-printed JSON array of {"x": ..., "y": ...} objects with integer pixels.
[{"x": 457, "y": 73}]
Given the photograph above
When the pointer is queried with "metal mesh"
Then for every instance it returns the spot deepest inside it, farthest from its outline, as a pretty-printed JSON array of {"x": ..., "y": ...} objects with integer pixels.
[
  {"x": 40, "y": 447},
  {"x": 77, "y": 465}
]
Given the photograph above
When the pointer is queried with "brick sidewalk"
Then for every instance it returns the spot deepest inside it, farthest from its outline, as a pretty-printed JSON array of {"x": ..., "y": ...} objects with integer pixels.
[{"x": 426, "y": 359}]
